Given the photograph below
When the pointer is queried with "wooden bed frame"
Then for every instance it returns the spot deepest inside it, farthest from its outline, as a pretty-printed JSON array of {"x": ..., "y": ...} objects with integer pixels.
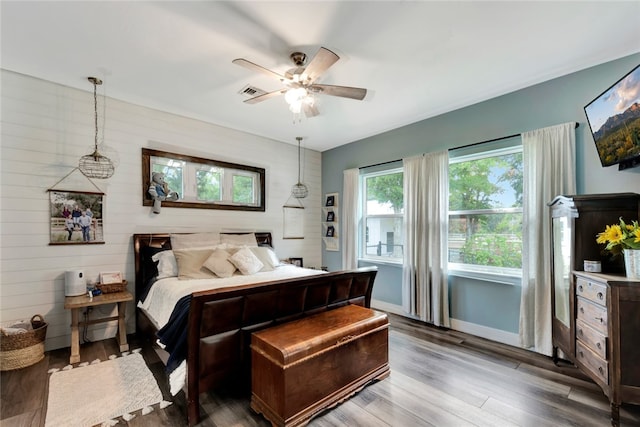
[{"x": 221, "y": 321}]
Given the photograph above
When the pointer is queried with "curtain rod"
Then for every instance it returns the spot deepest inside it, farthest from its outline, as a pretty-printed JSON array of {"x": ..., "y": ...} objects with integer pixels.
[
  {"x": 493, "y": 140},
  {"x": 456, "y": 148}
]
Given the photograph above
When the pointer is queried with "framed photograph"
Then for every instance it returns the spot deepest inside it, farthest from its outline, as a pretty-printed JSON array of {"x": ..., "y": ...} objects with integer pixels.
[
  {"x": 331, "y": 216},
  {"x": 331, "y": 200},
  {"x": 75, "y": 218},
  {"x": 296, "y": 261},
  {"x": 331, "y": 231},
  {"x": 109, "y": 277}
]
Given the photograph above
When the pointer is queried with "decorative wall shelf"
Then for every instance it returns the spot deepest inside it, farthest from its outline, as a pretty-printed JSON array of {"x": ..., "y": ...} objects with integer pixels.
[{"x": 331, "y": 222}]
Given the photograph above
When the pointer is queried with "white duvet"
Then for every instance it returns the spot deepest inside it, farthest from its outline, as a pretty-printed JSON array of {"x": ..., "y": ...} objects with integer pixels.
[{"x": 165, "y": 293}]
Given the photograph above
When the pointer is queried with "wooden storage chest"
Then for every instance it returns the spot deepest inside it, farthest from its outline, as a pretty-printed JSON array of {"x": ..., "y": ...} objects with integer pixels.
[{"x": 302, "y": 367}]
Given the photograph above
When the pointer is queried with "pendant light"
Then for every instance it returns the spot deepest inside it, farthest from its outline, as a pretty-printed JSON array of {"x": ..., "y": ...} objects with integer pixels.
[
  {"x": 95, "y": 165},
  {"x": 299, "y": 190}
]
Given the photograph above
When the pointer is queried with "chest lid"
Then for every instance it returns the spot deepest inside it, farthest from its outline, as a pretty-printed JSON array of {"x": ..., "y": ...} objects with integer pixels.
[{"x": 293, "y": 341}]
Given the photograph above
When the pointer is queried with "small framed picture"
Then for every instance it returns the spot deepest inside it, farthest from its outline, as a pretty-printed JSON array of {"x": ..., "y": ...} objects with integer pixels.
[
  {"x": 109, "y": 277},
  {"x": 330, "y": 231},
  {"x": 331, "y": 216},
  {"x": 331, "y": 200},
  {"x": 296, "y": 261}
]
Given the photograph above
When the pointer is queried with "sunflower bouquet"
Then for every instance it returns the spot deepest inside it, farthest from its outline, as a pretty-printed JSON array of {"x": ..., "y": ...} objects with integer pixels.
[{"x": 620, "y": 236}]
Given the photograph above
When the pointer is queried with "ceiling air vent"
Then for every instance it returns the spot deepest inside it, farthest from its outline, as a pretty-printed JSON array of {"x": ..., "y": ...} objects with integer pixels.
[{"x": 251, "y": 91}]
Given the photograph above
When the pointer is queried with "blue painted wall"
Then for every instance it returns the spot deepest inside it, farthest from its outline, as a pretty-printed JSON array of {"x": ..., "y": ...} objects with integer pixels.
[{"x": 556, "y": 101}]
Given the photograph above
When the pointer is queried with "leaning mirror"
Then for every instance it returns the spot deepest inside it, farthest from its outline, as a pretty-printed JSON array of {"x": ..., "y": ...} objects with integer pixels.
[{"x": 203, "y": 183}]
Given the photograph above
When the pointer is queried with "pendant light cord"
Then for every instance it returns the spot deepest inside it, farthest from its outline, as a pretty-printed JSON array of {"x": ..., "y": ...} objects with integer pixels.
[
  {"x": 96, "y": 81},
  {"x": 95, "y": 110},
  {"x": 299, "y": 139}
]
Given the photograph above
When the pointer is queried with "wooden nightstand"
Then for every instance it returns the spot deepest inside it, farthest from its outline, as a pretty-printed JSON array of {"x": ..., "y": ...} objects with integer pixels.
[{"x": 76, "y": 303}]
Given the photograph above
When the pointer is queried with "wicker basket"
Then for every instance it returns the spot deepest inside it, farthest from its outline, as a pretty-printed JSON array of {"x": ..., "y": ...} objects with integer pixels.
[
  {"x": 22, "y": 350},
  {"x": 112, "y": 287}
]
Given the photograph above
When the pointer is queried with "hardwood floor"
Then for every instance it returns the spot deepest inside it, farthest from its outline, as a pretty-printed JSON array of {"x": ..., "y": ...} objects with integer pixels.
[{"x": 438, "y": 378}]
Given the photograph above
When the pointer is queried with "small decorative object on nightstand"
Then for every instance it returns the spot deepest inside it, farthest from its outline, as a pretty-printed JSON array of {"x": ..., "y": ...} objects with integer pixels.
[
  {"x": 76, "y": 303},
  {"x": 296, "y": 261}
]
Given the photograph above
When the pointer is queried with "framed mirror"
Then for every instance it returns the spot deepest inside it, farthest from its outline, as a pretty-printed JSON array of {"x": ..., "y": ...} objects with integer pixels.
[{"x": 204, "y": 183}]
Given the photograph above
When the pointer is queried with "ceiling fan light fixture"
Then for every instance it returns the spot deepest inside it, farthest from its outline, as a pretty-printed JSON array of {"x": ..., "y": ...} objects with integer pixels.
[{"x": 297, "y": 98}]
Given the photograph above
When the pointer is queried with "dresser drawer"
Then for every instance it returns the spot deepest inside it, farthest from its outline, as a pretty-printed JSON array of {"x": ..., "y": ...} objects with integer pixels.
[
  {"x": 592, "y": 314},
  {"x": 592, "y": 338},
  {"x": 593, "y": 291},
  {"x": 593, "y": 363}
]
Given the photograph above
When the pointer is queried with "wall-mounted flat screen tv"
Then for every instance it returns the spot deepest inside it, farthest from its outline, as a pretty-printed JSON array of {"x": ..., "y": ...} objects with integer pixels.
[{"x": 614, "y": 119}]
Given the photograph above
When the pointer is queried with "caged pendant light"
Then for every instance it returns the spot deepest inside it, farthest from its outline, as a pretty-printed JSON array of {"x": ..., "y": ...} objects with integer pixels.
[
  {"x": 95, "y": 165},
  {"x": 299, "y": 190}
]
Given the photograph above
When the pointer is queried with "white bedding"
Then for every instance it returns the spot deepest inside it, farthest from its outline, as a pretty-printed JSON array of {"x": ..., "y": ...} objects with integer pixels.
[{"x": 165, "y": 293}]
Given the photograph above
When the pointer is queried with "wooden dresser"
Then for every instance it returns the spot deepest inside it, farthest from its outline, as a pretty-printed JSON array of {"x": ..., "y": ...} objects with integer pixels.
[
  {"x": 607, "y": 335},
  {"x": 595, "y": 317}
]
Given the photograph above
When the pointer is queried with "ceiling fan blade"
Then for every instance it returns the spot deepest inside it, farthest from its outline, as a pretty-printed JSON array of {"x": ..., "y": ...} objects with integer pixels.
[
  {"x": 265, "y": 96},
  {"x": 255, "y": 67},
  {"x": 320, "y": 63},
  {"x": 310, "y": 110},
  {"x": 343, "y": 91}
]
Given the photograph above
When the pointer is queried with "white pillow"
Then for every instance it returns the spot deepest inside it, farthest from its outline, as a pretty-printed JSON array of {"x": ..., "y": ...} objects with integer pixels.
[
  {"x": 246, "y": 261},
  {"x": 194, "y": 240},
  {"x": 267, "y": 257},
  {"x": 167, "y": 265},
  {"x": 219, "y": 263},
  {"x": 245, "y": 239}
]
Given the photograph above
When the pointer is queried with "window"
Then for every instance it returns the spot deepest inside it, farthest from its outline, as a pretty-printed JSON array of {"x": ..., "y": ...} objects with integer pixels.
[
  {"x": 204, "y": 183},
  {"x": 383, "y": 209},
  {"x": 485, "y": 212}
]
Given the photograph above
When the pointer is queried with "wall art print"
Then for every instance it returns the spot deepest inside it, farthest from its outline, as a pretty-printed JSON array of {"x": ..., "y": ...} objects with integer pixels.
[{"x": 76, "y": 218}]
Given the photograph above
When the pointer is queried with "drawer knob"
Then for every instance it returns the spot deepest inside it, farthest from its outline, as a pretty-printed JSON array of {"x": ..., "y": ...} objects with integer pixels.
[
  {"x": 581, "y": 353},
  {"x": 600, "y": 295},
  {"x": 580, "y": 288},
  {"x": 600, "y": 319},
  {"x": 581, "y": 309},
  {"x": 580, "y": 332},
  {"x": 600, "y": 369},
  {"x": 599, "y": 345}
]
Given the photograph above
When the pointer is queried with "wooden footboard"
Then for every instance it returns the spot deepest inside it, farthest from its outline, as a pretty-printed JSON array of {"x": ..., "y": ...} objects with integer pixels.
[{"x": 221, "y": 322}]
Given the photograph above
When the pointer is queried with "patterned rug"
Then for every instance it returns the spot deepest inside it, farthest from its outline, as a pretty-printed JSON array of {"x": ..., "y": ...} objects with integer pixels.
[{"x": 100, "y": 392}]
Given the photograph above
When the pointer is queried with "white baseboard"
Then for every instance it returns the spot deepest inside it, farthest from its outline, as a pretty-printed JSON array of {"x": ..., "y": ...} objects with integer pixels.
[
  {"x": 492, "y": 334},
  {"x": 389, "y": 308}
]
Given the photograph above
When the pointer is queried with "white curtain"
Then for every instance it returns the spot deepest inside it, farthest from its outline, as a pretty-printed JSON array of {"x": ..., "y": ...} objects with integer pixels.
[
  {"x": 548, "y": 171},
  {"x": 350, "y": 219},
  {"x": 424, "y": 274}
]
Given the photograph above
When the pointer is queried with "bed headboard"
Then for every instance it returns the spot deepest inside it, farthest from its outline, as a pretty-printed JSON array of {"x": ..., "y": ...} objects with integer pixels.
[{"x": 146, "y": 245}]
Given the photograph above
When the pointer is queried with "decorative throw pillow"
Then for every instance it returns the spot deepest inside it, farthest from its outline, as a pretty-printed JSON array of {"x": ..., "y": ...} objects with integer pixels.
[
  {"x": 219, "y": 263},
  {"x": 245, "y": 239},
  {"x": 194, "y": 240},
  {"x": 246, "y": 261},
  {"x": 167, "y": 265},
  {"x": 190, "y": 263},
  {"x": 267, "y": 257}
]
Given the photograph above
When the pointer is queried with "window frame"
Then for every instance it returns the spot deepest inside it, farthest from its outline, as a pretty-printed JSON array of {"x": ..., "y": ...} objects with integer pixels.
[
  {"x": 504, "y": 275},
  {"x": 362, "y": 235},
  {"x": 193, "y": 163}
]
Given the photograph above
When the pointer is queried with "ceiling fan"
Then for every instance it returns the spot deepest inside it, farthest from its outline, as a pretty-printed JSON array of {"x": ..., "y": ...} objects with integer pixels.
[{"x": 300, "y": 82}]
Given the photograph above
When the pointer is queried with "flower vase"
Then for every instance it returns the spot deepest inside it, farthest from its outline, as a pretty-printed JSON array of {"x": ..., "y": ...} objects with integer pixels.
[{"x": 632, "y": 263}]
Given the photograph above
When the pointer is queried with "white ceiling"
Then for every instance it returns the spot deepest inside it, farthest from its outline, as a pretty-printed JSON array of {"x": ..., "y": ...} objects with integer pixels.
[{"x": 417, "y": 59}]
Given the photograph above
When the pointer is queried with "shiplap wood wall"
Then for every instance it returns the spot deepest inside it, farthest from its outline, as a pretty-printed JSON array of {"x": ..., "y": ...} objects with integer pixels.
[{"x": 46, "y": 128}]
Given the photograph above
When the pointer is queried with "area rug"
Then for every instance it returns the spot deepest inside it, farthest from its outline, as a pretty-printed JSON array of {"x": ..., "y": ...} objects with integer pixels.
[{"x": 100, "y": 392}]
